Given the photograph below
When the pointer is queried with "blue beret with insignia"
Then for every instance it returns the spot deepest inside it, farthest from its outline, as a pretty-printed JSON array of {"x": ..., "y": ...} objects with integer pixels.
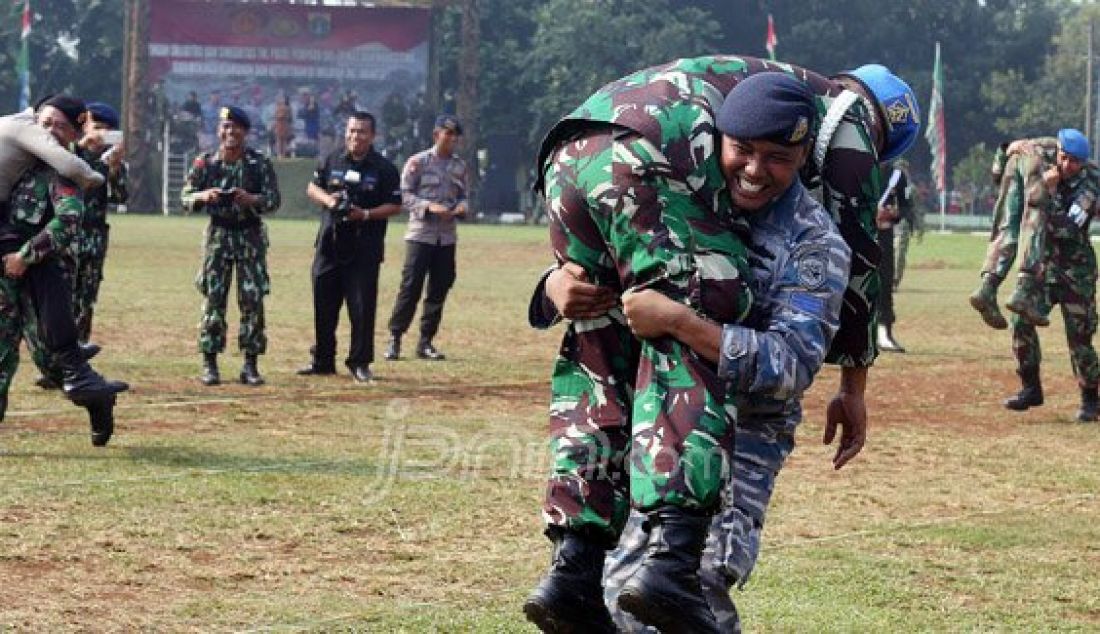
[
  {"x": 1074, "y": 143},
  {"x": 104, "y": 114},
  {"x": 772, "y": 106},
  {"x": 236, "y": 115}
]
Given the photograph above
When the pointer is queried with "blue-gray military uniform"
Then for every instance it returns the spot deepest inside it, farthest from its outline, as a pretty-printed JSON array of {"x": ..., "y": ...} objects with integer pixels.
[{"x": 799, "y": 265}]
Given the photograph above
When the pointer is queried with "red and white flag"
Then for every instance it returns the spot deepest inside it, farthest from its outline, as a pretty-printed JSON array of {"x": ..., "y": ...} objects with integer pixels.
[{"x": 771, "y": 40}]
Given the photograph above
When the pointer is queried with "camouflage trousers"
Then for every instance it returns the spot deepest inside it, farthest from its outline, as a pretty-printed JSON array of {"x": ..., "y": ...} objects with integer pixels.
[
  {"x": 903, "y": 233},
  {"x": 88, "y": 276},
  {"x": 11, "y": 324},
  {"x": 224, "y": 250},
  {"x": 733, "y": 543},
  {"x": 651, "y": 409},
  {"x": 1080, "y": 318},
  {"x": 1017, "y": 210}
]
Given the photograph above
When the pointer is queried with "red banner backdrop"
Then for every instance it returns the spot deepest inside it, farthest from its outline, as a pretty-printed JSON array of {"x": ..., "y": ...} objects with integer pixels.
[{"x": 255, "y": 56}]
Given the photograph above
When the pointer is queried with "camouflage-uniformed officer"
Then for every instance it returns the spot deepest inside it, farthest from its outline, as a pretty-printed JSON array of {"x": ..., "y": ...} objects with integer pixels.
[
  {"x": 234, "y": 185},
  {"x": 91, "y": 246},
  {"x": 42, "y": 222},
  {"x": 798, "y": 273},
  {"x": 592, "y": 395},
  {"x": 1068, "y": 275},
  {"x": 1017, "y": 169},
  {"x": 910, "y": 221}
]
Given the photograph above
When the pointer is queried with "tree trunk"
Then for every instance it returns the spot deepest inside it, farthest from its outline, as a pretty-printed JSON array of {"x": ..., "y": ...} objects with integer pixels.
[
  {"x": 466, "y": 103},
  {"x": 140, "y": 124}
]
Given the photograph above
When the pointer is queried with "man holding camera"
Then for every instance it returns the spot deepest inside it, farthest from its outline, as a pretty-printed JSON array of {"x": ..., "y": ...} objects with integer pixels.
[
  {"x": 433, "y": 188},
  {"x": 357, "y": 189},
  {"x": 234, "y": 185}
]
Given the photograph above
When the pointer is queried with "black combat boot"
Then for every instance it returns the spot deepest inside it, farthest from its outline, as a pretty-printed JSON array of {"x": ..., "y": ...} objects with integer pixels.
[
  {"x": 1025, "y": 300},
  {"x": 569, "y": 599},
  {"x": 425, "y": 350},
  {"x": 210, "y": 375},
  {"x": 1032, "y": 393},
  {"x": 101, "y": 416},
  {"x": 984, "y": 300},
  {"x": 1090, "y": 405},
  {"x": 665, "y": 592},
  {"x": 250, "y": 373},
  {"x": 90, "y": 350},
  {"x": 393, "y": 350},
  {"x": 80, "y": 383}
]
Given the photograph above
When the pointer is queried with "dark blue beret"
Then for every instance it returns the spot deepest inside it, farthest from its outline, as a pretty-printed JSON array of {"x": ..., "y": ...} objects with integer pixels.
[
  {"x": 448, "y": 122},
  {"x": 772, "y": 106},
  {"x": 236, "y": 115},
  {"x": 104, "y": 114}
]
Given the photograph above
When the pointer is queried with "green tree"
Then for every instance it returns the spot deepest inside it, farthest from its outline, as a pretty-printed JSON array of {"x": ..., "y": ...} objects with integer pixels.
[{"x": 972, "y": 180}]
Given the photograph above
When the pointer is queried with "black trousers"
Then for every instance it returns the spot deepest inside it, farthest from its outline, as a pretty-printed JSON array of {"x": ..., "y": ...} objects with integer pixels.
[
  {"x": 886, "y": 277},
  {"x": 355, "y": 283},
  {"x": 436, "y": 263},
  {"x": 51, "y": 294}
]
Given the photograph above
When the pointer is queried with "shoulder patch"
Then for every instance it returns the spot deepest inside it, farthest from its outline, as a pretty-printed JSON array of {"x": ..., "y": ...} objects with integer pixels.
[
  {"x": 199, "y": 162},
  {"x": 811, "y": 270}
]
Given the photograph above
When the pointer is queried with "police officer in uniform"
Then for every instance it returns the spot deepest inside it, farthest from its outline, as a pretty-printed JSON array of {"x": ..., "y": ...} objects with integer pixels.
[
  {"x": 235, "y": 185},
  {"x": 357, "y": 189},
  {"x": 433, "y": 189}
]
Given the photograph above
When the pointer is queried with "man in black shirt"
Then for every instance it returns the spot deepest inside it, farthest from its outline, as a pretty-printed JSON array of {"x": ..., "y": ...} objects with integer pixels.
[{"x": 358, "y": 189}]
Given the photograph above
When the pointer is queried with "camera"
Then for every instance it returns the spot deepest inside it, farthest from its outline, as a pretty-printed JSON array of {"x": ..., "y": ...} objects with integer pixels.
[
  {"x": 112, "y": 137},
  {"x": 340, "y": 185}
]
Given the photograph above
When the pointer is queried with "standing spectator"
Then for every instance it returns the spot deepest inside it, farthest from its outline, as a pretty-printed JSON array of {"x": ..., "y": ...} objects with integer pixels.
[
  {"x": 358, "y": 190},
  {"x": 234, "y": 185},
  {"x": 433, "y": 189},
  {"x": 192, "y": 106},
  {"x": 210, "y": 114},
  {"x": 895, "y": 204},
  {"x": 282, "y": 126},
  {"x": 310, "y": 114}
]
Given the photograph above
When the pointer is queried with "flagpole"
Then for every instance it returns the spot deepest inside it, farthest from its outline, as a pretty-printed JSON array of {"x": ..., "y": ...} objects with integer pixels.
[
  {"x": 23, "y": 63},
  {"x": 936, "y": 134}
]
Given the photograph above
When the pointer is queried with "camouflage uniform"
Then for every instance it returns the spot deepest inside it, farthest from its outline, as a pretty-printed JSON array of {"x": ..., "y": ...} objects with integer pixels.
[
  {"x": 1019, "y": 203},
  {"x": 235, "y": 236},
  {"x": 799, "y": 270},
  {"x": 636, "y": 197},
  {"x": 1068, "y": 272},
  {"x": 1020, "y": 200},
  {"x": 44, "y": 220},
  {"x": 91, "y": 246}
]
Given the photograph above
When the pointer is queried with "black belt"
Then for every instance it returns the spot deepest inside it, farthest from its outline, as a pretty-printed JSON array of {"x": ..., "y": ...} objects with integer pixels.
[{"x": 229, "y": 223}]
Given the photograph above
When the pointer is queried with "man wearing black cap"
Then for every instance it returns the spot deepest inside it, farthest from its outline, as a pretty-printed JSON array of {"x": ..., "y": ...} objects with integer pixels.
[
  {"x": 357, "y": 190},
  {"x": 433, "y": 189},
  {"x": 33, "y": 235},
  {"x": 235, "y": 185}
]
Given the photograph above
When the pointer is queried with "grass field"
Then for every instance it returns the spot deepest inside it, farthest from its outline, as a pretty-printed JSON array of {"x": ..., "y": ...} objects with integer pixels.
[{"x": 313, "y": 504}]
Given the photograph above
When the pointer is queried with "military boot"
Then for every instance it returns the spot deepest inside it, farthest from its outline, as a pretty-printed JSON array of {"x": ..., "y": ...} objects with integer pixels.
[
  {"x": 210, "y": 375},
  {"x": 665, "y": 592},
  {"x": 90, "y": 350},
  {"x": 984, "y": 300},
  {"x": 1032, "y": 393},
  {"x": 393, "y": 350},
  {"x": 80, "y": 383},
  {"x": 1090, "y": 405},
  {"x": 425, "y": 350},
  {"x": 101, "y": 417},
  {"x": 1025, "y": 300},
  {"x": 570, "y": 597},
  {"x": 250, "y": 373}
]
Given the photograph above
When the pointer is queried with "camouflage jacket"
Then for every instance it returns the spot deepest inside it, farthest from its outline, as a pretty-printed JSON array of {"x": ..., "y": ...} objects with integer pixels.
[
  {"x": 253, "y": 172},
  {"x": 1068, "y": 256},
  {"x": 799, "y": 270},
  {"x": 112, "y": 191},
  {"x": 46, "y": 210},
  {"x": 674, "y": 106}
]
